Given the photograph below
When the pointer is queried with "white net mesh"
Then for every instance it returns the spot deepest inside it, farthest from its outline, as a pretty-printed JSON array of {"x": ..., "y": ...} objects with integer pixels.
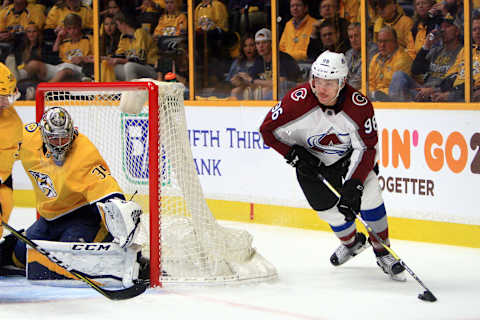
[{"x": 194, "y": 248}]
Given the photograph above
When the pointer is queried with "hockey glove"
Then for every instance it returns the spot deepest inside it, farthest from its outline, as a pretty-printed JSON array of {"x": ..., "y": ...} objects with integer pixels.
[
  {"x": 306, "y": 163},
  {"x": 350, "y": 200}
]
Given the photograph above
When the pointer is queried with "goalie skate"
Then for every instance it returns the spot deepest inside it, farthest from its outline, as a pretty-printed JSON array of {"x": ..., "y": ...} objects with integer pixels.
[
  {"x": 344, "y": 253},
  {"x": 392, "y": 267}
]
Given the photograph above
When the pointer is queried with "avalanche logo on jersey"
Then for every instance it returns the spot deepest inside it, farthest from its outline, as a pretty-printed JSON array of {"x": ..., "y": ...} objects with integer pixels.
[
  {"x": 44, "y": 183},
  {"x": 299, "y": 94},
  {"x": 329, "y": 143},
  {"x": 358, "y": 99}
]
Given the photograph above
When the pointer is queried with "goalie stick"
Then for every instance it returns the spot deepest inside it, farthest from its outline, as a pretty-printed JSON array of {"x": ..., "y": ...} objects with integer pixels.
[
  {"x": 427, "y": 295},
  {"x": 122, "y": 294}
]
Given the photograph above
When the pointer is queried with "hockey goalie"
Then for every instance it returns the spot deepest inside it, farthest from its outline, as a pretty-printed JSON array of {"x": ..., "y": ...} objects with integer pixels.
[{"x": 85, "y": 221}]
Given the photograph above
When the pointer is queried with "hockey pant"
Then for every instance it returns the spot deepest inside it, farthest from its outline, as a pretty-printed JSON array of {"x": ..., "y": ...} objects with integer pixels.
[{"x": 372, "y": 209}]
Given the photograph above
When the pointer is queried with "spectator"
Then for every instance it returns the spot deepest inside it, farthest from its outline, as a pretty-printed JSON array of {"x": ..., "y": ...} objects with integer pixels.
[
  {"x": 390, "y": 58},
  {"x": 296, "y": 35},
  {"x": 137, "y": 53},
  {"x": 328, "y": 11},
  {"x": 350, "y": 10},
  {"x": 212, "y": 45},
  {"x": 354, "y": 56},
  {"x": 261, "y": 72},
  {"x": 431, "y": 63},
  {"x": 329, "y": 39},
  {"x": 14, "y": 19},
  {"x": 148, "y": 13},
  {"x": 112, "y": 8},
  {"x": 75, "y": 50},
  {"x": 172, "y": 22},
  {"x": 31, "y": 52},
  {"x": 211, "y": 15},
  {"x": 170, "y": 35},
  {"x": 453, "y": 8},
  {"x": 392, "y": 15},
  {"x": 238, "y": 75},
  {"x": 109, "y": 38},
  {"x": 58, "y": 12},
  {"x": 452, "y": 87},
  {"x": 423, "y": 22}
]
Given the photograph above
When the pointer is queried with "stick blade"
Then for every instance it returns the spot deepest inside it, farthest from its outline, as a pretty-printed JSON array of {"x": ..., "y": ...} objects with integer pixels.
[
  {"x": 127, "y": 293},
  {"x": 427, "y": 296}
]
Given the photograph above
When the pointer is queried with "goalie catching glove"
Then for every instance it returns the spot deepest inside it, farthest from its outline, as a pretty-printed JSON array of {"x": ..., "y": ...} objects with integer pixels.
[
  {"x": 122, "y": 219},
  {"x": 349, "y": 204}
]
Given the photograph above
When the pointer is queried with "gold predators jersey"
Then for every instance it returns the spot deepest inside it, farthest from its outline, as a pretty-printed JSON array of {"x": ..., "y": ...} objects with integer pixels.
[
  {"x": 84, "y": 178},
  {"x": 56, "y": 15},
  {"x": 69, "y": 49},
  {"x": 11, "y": 135},
  {"x": 139, "y": 46},
  {"x": 17, "y": 22},
  {"x": 171, "y": 25}
]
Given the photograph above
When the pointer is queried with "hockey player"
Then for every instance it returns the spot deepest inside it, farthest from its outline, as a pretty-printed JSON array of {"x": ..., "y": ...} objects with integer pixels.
[
  {"x": 11, "y": 133},
  {"x": 70, "y": 178},
  {"x": 325, "y": 126}
]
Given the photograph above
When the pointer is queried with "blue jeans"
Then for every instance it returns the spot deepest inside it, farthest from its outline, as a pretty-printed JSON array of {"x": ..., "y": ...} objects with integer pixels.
[{"x": 402, "y": 87}]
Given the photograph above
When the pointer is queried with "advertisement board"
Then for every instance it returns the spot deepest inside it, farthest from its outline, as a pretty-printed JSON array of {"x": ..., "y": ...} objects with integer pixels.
[{"x": 429, "y": 161}]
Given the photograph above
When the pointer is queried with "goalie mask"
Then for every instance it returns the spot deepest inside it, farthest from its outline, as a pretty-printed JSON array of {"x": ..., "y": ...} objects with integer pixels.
[
  {"x": 57, "y": 132},
  {"x": 8, "y": 87}
]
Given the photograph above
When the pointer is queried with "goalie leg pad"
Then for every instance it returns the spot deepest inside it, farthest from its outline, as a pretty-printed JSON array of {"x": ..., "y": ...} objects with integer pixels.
[{"x": 105, "y": 262}]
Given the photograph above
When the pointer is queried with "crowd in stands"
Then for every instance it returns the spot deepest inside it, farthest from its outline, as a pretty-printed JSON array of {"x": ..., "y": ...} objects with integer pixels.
[{"x": 414, "y": 47}]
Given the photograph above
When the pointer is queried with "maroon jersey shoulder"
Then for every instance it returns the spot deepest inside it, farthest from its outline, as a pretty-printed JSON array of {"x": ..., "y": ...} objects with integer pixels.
[
  {"x": 297, "y": 102},
  {"x": 357, "y": 106}
]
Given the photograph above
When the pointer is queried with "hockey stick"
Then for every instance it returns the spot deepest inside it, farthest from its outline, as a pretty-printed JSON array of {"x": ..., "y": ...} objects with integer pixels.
[
  {"x": 122, "y": 294},
  {"x": 427, "y": 295}
]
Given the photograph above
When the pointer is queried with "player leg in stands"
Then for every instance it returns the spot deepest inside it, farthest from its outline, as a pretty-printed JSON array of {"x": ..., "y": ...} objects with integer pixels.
[{"x": 374, "y": 213}]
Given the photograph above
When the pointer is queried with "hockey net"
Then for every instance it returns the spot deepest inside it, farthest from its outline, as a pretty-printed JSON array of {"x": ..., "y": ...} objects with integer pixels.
[{"x": 149, "y": 154}]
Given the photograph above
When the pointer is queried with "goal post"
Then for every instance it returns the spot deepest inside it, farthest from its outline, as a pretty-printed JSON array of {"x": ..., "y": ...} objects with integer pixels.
[{"x": 148, "y": 153}]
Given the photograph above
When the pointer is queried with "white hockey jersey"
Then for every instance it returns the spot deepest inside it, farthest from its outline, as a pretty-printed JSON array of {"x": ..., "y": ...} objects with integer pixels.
[{"x": 327, "y": 132}]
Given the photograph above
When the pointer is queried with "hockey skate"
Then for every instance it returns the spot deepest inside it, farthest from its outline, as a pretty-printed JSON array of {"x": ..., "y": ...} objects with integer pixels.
[
  {"x": 392, "y": 267},
  {"x": 344, "y": 253}
]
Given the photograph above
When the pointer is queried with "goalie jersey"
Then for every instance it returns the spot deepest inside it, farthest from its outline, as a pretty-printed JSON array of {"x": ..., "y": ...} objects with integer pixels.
[{"x": 83, "y": 179}]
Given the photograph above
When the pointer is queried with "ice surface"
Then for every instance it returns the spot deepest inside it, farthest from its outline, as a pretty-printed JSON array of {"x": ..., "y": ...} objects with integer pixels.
[{"x": 309, "y": 287}]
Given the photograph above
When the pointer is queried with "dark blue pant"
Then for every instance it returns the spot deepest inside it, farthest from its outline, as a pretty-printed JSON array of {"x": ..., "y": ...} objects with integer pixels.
[{"x": 81, "y": 225}]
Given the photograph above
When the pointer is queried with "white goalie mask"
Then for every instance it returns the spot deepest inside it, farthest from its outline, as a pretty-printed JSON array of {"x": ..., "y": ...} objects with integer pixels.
[{"x": 57, "y": 132}]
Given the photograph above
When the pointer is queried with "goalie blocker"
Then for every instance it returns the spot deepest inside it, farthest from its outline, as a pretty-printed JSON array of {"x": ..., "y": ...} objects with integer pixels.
[{"x": 116, "y": 263}]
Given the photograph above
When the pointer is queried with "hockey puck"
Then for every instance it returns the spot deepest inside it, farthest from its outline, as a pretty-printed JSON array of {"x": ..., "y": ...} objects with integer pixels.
[{"x": 427, "y": 296}]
